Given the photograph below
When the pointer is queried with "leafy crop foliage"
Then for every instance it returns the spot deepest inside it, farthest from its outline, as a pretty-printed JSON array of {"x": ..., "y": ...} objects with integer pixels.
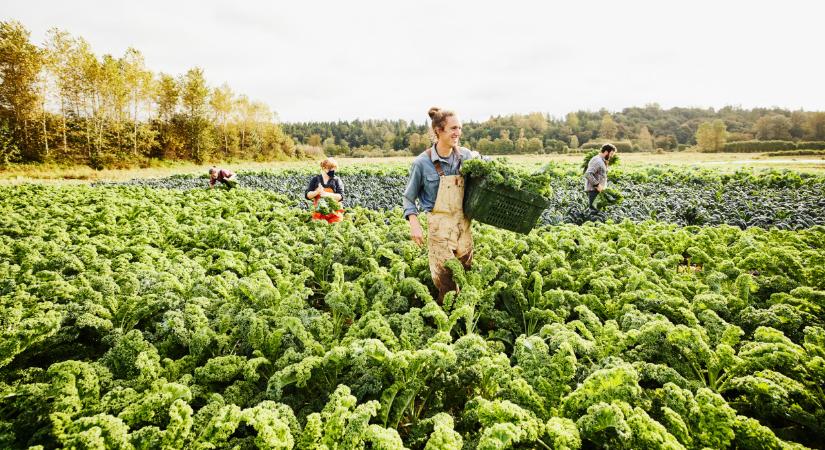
[
  {"x": 614, "y": 161},
  {"x": 785, "y": 200},
  {"x": 141, "y": 318},
  {"x": 500, "y": 172},
  {"x": 607, "y": 198},
  {"x": 327, "y": 205}
]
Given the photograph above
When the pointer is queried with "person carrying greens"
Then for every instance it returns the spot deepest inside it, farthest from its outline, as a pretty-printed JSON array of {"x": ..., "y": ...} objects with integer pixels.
[
  {"x": 437, "y": 185},
  {"x": 595, "y": 176},
  {"x": 325, "y": 186}
]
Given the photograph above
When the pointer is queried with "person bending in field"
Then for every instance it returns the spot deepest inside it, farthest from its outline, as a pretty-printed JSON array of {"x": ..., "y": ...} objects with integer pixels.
[
  {"x": 226, "y": 177},
  {"x": 326, "y": 185},
  {"x": 595, "y": 177},
  {"x": 437, "y": 184}
]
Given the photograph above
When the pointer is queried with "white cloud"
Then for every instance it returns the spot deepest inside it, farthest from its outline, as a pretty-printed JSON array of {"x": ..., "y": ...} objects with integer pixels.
[{"x": 319, "y": 60}]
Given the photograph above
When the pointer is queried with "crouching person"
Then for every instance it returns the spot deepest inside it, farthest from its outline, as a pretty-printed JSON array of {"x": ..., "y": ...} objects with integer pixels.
[{"x": 223, "y": 176}]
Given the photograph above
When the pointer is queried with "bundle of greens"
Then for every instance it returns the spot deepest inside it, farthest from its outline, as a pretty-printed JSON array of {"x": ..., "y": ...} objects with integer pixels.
[
  {"x": 327, "y": 205},
  {"x": 501, "y": 173},
  {"x": 589, "y": 155},
  {"x": 607, "y": 197}
]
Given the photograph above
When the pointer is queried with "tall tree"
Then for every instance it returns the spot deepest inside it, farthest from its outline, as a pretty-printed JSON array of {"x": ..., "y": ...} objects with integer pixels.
[
  {"x": 259, "y": 118},
  {"x": 242, "y": 112},
  {"x": 73, "y": 62},
  {"x": 573, "y": 121},
  {"x": 91, "y": 87},
  {"x": 166, "y": 97},
  {"x": 58, "y": 48},
  {"x": 608, "y": 129},
  {"x": 314, "y": 140},
  {"x": 773, "y": 127},
  {"x": 536, "y": 122},
  {"x": 816, "y": 126},
  {"x": 194, "y": 93},
  {"x": 221, "y": 103},
  {"x": 534, "y": 145},
  {"x": 114, "y": 92},
  {"x": 418, "y": 143},
  {"x": 20, "y": 63},
  {"x": 798, "y": 120},
  {"x": 645, "y": 140},
  {"x": 138, "y": 82},
  {"x": 44, "y": 86},
  {"x": 8, "y": 145},
  {"x": 711, "y": 136}
]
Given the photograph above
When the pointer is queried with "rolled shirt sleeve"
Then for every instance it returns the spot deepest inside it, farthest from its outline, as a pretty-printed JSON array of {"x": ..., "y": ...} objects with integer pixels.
[
  {"x": 474, "y": 154},
  {"x": 412, "y": 190},
  {"x": 313, "y": 184}
]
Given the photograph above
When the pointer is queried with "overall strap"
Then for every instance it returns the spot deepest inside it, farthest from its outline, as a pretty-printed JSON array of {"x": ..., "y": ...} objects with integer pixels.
[{"x": 436, "y": 163}]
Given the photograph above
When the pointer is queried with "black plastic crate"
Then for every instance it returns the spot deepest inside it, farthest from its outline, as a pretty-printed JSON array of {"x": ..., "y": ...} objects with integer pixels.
[{"x": 501, "y": 206}]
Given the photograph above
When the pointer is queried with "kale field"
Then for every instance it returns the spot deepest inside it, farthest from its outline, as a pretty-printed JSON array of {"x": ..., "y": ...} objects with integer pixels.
[
  {"x": 784, "y": 200},
  {"x": 160, "y": 314}
]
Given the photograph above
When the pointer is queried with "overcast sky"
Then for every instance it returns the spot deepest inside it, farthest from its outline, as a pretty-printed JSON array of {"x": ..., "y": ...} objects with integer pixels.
[{"x": 312, "y": 60}]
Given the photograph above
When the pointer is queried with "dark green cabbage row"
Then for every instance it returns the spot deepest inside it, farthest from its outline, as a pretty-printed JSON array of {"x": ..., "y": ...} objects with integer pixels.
[{"x": 784, "y": 200}]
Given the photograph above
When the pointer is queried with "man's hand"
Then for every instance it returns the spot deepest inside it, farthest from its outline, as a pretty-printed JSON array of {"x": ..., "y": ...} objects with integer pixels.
[
  {"x": 416, "y": 233},
  {"x": 599, "y": 188}
]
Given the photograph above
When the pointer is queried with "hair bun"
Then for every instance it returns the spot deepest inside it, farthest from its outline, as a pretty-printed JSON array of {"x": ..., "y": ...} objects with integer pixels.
[{"x": 434, "y": 112}]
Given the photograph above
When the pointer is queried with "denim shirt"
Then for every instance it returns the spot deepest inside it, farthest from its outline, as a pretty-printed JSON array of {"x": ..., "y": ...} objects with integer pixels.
[{"x": 424, "y": 179}]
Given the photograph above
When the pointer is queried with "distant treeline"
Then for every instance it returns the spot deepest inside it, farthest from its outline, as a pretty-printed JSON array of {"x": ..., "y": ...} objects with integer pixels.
[
  {"x": 634, "y": 129},
  {"x": 61, "y": 103}
]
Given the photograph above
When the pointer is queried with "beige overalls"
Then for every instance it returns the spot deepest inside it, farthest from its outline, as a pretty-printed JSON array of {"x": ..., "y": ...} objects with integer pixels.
[{"x": 449, "y": 230}]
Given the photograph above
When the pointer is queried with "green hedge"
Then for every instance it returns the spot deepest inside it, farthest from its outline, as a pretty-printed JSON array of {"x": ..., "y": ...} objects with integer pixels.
[
  {"x": 758, "y": 146},
  {"x": 621, "y": 146},
  {"x": 814, "y": 152},
  {"x": 771, "y": 146},
  {"x": 554, "y": 146},
  {"x": 810, "y": 145}
]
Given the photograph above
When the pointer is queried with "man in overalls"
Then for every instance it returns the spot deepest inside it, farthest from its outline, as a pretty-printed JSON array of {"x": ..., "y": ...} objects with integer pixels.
[{"x": 435, "y": 181}]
